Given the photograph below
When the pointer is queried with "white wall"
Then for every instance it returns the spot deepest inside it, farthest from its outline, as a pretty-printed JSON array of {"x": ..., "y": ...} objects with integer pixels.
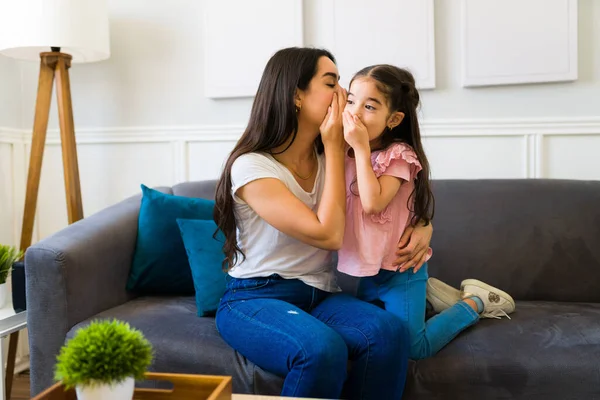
[
  {"x": 155, "y": 76},
  {"x": 544, "y": 101},
  {"x": 143, "y": 116},
  {"x": 11, "y": 173},
  {"x": 10, "y": 92}
]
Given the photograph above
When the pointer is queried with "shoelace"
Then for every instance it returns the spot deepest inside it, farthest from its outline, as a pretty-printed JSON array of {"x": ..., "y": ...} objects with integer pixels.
[{"x": 497, "y": 314}]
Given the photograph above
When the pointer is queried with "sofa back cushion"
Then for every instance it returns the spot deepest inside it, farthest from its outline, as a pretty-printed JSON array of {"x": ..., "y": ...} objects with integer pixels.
[{"x": 535, "y": 239}]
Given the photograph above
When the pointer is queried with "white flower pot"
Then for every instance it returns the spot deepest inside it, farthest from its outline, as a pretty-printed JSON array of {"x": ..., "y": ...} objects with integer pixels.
[
  {"x": 3, "y": 294},
  {"x": 119, "y": 391}
]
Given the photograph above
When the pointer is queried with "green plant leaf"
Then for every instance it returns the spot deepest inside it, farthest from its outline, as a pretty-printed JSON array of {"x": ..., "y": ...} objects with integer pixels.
[
  {"x": 103, "y": 352},
  {"x": 8, "y": 256}
]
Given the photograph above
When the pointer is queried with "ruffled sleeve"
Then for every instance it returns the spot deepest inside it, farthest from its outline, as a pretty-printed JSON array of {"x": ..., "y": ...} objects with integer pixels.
[{"x": 398, "y": 160}]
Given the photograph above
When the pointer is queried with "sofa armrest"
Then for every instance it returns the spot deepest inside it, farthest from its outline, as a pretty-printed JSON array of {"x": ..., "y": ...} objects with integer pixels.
[{"x": 73, "y": 275}]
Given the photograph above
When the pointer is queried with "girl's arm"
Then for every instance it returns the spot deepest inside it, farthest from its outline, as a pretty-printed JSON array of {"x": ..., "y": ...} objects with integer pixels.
[{"x": 375, "y": 194}]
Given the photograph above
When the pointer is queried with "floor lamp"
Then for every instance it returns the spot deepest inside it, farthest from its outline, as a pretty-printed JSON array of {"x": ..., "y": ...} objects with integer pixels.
[{"x": 55, "y": 33}]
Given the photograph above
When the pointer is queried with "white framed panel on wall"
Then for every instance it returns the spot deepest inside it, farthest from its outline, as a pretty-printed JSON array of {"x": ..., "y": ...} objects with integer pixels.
[
  {"x": 517, "y": 42},
  {"x": 399, "y": 32},
  {"x": 571, "y": 157},
  {"x": 109, "y": 172},
  {"x": 476, "y": 157},
  {"x": 239, "y": 38},
  {"x": 207, "y": 158}
]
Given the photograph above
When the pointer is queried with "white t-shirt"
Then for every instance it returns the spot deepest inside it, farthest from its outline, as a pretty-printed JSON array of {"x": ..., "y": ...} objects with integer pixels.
[{"x": 269, "y": 251}]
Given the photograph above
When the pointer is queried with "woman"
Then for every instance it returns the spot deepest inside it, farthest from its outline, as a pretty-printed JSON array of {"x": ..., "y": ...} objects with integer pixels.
[{"x": 280, "y": 203}]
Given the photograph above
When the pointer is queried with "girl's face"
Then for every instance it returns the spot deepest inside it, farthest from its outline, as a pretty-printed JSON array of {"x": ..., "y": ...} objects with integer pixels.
[
  {"x": 316, "y": 99},
  {"x": 371, "y": 106}
]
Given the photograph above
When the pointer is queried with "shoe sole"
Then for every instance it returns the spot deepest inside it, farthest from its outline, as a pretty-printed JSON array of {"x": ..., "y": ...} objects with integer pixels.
[{"x": 489, "y": 288}]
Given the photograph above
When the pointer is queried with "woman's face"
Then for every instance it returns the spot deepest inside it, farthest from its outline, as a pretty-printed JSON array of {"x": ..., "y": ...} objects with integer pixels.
[{"x": 316, "y": 99}]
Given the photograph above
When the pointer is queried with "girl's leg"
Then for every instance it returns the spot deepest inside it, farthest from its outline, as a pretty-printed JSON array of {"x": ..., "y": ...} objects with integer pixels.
[
  {"x": 377, "y": 344},
  {"x": 404, "y": 295},
  {"x": 282, "y": 338}
]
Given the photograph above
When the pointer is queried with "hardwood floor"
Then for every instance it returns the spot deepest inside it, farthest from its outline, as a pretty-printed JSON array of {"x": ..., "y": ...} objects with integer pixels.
[{"x": 20, "y": 389}]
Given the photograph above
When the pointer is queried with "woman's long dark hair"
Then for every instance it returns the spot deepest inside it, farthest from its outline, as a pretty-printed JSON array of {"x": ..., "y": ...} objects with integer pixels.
[
  {"x": 273, "y": 120},
  {"x": 398, "y": 86}
]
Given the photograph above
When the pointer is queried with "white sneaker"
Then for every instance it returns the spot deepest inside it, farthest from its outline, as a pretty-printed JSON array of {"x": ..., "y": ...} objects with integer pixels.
[
  {"x": 441, "y": 295},
  {"x": 496, "y": 303}
]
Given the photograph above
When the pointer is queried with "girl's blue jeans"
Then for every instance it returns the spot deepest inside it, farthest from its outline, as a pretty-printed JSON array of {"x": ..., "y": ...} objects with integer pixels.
[{"x": 404, "y": 295}]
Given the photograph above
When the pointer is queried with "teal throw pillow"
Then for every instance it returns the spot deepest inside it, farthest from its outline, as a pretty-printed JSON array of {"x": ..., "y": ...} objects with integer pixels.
[
  {"x": 205, "y": 254},
  {"x": 160, "y": 264}
]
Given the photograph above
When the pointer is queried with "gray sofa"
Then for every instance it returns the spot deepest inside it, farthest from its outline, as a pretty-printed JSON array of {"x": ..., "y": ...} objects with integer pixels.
[{"x": 537, "y": 239}]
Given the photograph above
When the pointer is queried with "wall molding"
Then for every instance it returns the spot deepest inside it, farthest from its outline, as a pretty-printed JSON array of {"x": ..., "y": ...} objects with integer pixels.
[
  {"x": 228, "y": 133},
  {"x": 512, "y": 127},
  {"x": 533, "y": 131},
  {"x": 11, "y": 135}
]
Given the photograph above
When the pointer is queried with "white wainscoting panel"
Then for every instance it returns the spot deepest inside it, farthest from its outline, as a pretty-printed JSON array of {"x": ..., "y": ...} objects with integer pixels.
[
  {"x": 115, "y": 161},
  {"x": 402, "y": 35},
  {"x": 476, "y": 157},
  {"x": 239, "y": 38},
  {"x": 6, "y": 195},
  {"x": 206, "y": 159},
  {"x": 12, "y": 188},
  {"x": 20, "y": 170},
  {"x": 514, "y": 41},
  {"x": 571, "y": 157},
  {"x": 108, "y": 173}
]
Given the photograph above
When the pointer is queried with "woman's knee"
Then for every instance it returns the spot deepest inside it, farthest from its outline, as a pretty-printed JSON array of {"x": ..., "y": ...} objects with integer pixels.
[
  {"x": 390, "y": 331},
  {"x": 327, "y": 351}
]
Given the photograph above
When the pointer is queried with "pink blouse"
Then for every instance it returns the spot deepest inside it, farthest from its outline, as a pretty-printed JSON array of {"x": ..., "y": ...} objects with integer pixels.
[{"x": 371, "y": 240}]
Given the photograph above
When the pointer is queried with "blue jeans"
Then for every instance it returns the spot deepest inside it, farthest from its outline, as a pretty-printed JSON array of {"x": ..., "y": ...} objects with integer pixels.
[
  {"x": 307, "y": 336},
  {"x": 403, "y": 294}
]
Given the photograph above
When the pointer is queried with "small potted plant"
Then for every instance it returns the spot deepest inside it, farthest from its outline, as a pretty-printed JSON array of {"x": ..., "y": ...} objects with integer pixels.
[
  {"x": 103, "y": 360},
  {"x": 8, "y": 256}
]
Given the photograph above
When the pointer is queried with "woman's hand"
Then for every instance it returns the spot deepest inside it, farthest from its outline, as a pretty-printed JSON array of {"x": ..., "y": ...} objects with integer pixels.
[
  {"x": 355, "y": 132},
  {"x": 413, "y": 246},
  {"x": 332, "y": 126}
]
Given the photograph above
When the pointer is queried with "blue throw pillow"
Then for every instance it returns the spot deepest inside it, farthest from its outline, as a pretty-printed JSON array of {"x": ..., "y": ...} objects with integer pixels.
[
  {"x": 205, "y": 254},
  {"x": 160, "y": 264}
]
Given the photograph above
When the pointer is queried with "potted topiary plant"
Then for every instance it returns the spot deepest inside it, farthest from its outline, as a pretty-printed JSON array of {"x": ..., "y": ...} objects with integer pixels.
[
  {"x": 103, "y": 360},
  {"x": 8, "y": 256}
]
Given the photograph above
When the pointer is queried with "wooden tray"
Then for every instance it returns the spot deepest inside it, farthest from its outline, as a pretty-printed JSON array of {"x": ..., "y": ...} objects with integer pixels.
[{"x": 185, "y": 387}]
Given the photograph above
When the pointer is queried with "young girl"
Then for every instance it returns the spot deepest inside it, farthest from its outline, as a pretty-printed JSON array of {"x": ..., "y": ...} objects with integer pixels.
[{"x": 387, "y": 188}]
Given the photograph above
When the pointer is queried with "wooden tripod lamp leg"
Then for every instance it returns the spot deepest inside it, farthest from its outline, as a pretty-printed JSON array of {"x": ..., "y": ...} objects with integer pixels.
[
  {"x": 69, "y": 145},
  {"x": 40, "y": 125}
]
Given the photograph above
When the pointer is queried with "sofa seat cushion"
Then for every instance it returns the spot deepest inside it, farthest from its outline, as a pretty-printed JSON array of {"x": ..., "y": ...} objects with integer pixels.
[
  {"x": 186, "y": 343},
  {"x": 548, "y": 350}
]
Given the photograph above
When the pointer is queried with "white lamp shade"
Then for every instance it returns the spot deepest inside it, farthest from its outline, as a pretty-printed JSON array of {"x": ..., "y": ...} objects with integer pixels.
[{"x": 79, "y": 27}]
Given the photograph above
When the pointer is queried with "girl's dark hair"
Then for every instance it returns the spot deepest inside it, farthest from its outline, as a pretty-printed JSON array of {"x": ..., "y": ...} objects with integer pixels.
[
  {"x": 398, "y": 86},
  {"x": 272, "y": 121}
]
